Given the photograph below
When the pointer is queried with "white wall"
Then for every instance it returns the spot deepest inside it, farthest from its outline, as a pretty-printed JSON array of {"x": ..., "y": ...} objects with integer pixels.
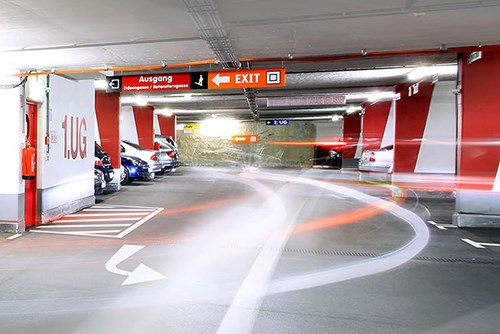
[
  {"x": 12, "y": 140},
  {"x": 68, "y": 168},
  {"x": 128, "y": 129},
  {"x": 438, "y": 149}
]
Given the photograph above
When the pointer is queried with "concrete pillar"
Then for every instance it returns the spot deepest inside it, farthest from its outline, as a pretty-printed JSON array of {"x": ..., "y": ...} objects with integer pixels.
[
  {"x": 107, "y": 108},
  {"x": 351, "y": 135},
  {"x": 167, "y": 125},
  {"x": 378, "y": 125},
  {"x": 478, "y": 193},
  {"x": 143, "y": 117}
]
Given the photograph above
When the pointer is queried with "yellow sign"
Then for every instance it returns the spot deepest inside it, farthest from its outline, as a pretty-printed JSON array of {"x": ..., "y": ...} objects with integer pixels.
[{"x": 193, "y": 126}]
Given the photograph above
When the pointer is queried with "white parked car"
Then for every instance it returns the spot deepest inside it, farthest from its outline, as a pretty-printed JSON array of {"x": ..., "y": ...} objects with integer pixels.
[
  {"x": 150, "y": 156},
  {"x": 381, "y": 160}
]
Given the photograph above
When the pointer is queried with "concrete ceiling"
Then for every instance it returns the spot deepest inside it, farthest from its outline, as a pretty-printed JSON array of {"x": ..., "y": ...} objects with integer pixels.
[{"x": 124, "y": 33}]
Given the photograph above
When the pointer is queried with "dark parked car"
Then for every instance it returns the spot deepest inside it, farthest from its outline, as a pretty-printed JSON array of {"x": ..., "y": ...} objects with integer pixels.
[
  {"x": 99, "y": 182},
  {"x": 103, "y": 163},
  {"x": 134, "y": 169}
]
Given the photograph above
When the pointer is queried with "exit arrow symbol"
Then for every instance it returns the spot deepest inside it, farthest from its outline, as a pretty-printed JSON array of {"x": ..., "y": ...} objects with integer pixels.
[
  {"x": 239, "y": 138},
  {"x": 140, "y": 274},
  {"x": 218, "y": 79},
  {"x": 114, "y": 84}
]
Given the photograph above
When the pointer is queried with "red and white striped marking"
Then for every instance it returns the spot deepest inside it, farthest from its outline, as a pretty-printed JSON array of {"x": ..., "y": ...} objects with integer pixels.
[{"x": 101, "y": 221}]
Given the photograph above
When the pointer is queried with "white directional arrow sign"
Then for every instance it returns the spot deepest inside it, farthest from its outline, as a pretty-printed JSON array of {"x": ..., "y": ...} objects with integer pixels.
[
  {"x": 140, "y": 274},
  {"x": 218, "y": 79},
  {"x": 114, "y": 84}
]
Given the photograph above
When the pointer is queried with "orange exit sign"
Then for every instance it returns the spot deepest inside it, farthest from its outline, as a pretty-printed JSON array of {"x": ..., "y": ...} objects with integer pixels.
[
  {"x": 245, "y": 139},
  {"x": 261, "y": 78}
]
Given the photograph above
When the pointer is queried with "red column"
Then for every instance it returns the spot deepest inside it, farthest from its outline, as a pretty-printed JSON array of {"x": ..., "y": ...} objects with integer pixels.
[
  {"x": 144, "y": 117},
  {"x": 351, "y": 135},
  {"x": 374, "y": 124},
  {"x": 412, "y": 110},
  {"x": 478, "y": 155},
  {"x": 167, "y": 125},
  {"x": 107, "y": 107}
]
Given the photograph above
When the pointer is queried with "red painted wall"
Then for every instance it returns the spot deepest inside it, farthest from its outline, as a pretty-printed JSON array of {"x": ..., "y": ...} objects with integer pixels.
[
  {"x": 145, "y": 128},
  {"x": 374, "y": 124},
  {"x": 351, "y": 134},
  {"x": 480, "y": 121},
  {"x": 167, "y": 125},
  {"x": 107, "y": 107},
  {"x": 411, "y": 116}
]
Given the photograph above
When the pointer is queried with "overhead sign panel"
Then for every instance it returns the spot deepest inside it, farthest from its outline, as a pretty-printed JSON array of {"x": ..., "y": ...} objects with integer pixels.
[
  {"x": 247, "y": 79},
  {"x": 198, "y": 80}
]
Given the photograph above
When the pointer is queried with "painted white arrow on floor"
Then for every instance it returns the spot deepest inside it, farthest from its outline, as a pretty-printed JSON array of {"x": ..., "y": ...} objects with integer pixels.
[{"x": 140, "y": 274}]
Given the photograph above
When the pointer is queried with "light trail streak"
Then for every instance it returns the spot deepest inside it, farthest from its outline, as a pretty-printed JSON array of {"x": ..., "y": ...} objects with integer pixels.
[{"x": 360, "y": 268}]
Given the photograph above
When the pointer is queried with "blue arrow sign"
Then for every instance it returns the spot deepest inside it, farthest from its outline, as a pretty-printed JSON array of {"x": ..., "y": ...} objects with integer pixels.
[{"x": 278, "y": 122}]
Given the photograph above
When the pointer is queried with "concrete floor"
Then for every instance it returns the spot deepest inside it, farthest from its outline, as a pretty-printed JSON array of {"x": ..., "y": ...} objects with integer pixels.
[{"x": 253, "y": 251}]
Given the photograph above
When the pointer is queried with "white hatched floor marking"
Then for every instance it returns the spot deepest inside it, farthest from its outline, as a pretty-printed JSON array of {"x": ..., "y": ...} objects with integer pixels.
[
  {"x": 119, "y": 210},
  {"x": 94, "y": 220},
  {"x": 83, "y": 225},
  {"x": 110, "y": 214},
  {"x": 102, "y": 214}
]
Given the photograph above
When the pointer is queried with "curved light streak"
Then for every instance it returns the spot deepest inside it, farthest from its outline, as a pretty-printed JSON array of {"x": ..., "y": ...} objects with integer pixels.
[{"x": 360, "y": 268}]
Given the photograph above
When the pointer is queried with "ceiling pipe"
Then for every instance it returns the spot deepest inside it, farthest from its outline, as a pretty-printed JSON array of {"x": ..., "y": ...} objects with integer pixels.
[{"x": 465, "y": 49}]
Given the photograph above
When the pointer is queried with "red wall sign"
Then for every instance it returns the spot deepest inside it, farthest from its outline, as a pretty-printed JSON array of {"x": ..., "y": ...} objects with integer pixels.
[
  {"x": 157, "y": 82},
  {"x": 271, "y": 77}
]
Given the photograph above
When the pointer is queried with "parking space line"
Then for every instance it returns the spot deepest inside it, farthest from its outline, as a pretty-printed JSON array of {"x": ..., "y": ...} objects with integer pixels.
[
  {"x": 82, "y": 233},
  {"x": 15, "y": 236},
  {"x": 117, "y": 210},
  {"x": 93, "y": 220},
  {"x": 441, "y": 227},
  {"x": 139, "y": 223},
  {"x": 111, "y": 214},
  {"x": 84, "y": 225}
]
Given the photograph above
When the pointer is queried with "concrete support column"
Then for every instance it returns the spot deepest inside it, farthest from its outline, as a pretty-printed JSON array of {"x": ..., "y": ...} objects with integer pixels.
[
  {"x": 378, "y": 125},
  {"x": 167, "y": 125},
  {"x": 143, "y": 117},
  {"x": 478, "y": 193},
  {"x": 107, "y": 107},
  {"x": 351, "y": 135}
]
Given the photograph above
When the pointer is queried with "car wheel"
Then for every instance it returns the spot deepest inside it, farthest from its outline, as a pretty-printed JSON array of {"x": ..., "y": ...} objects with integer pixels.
[{"x": 125, "y": 177}]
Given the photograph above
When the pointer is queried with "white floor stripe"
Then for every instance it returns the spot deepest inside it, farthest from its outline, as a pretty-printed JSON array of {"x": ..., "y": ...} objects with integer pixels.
[
  {"x": 93, "y": 220},
  {"x": 88, "y": 233},
  {"x": 15, "y": 236},
  {"x": 108, "y": 214},
  {"x": 148, "y": 210},
  {"x": 472, "y": 243},
  {"x": 84, "y": 226},
  {"x": 139, "y": 223}
]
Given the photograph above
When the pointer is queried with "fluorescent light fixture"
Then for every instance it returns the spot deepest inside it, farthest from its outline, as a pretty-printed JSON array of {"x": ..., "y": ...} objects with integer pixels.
[
  {"x": 373, "y": 97},
  {"x": 353, "y": 109},
  {"x": 100, "y": 84},
  {"x": 427, "y": 71},
  {"x": 141, "y": 101},
  {"x": 336, "y": 118},
  {"x": 219, "y": 127},
  {"x": 164, "y": 112}
]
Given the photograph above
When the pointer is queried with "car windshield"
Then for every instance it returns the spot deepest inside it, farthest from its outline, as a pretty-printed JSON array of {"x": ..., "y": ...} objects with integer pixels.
[
  {"x": 99, "y": 149},
  {"x": 134, "y": 145}
]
